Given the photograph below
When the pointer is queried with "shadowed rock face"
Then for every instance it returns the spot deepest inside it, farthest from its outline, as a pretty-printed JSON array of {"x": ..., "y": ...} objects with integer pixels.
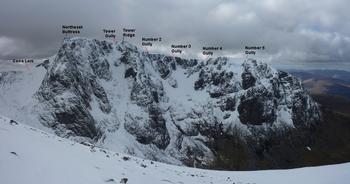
[
  {"x": 68, "y": 88},
  {"x": 248, "y": 80},
  {"x": 173, "y": 108},
  {"x": 252, "y": 111}
]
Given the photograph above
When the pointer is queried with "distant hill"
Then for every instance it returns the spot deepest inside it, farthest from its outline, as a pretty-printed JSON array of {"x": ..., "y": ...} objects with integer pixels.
[{"x": 331, "y": 82}]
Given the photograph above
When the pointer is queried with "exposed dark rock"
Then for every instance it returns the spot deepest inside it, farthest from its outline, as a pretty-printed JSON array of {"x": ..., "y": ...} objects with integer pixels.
[
  {"x": 230, "y": 104},
  {"x": 163, "y": 68},
  {"x": 216, "y": 95},
  {"x": 44, "y": 64},
  {"x": 254, "y": 111},
  {"x": 110, "y": 180},
  {"x": 152, "y": 131},
  {"x": 124, "y": 180},
  {"x": 125, "y": 57},
  {"x": 282, "y": 74},
  {"x": 13, "y": 122},
  {"x": 125, "y": 158},
  {"x": 78, "y": 121},
  {"x": 130, "y": 73},
  {"x": 101, "y": 68},
  {"x": 199, "y": 84},
  {"x": 248, "y": 80}
]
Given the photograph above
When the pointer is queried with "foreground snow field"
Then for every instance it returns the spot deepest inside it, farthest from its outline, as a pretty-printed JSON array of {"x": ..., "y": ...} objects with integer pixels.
[{"x": 31, "y": 156}]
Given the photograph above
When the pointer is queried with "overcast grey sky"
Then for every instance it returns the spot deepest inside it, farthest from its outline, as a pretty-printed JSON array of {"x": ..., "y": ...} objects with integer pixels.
[{"x": 294, "y": 31}]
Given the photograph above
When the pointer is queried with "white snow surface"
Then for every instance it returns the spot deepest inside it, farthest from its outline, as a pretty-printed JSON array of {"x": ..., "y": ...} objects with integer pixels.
[
  {"x": 16, "y": 95},
  {"x": 31, "y": 156}
]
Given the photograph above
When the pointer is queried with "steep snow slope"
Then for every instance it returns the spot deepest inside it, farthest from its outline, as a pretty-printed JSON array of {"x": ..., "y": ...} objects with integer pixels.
[
  {"x": 31, "y": 156},
  {"x": 17, "y": 89}
]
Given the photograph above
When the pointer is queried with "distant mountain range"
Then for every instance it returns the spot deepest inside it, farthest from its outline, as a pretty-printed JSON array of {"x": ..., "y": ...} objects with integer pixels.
[
  {"x": 336, "y": 82},
  {"x": 330, "y": 88}
]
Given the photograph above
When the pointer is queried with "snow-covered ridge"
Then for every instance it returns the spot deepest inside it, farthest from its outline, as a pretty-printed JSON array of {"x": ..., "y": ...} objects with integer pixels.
[{"x": 31, "y": 156}]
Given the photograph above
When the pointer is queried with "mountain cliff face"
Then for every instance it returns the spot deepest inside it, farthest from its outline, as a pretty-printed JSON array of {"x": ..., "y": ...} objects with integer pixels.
[
  {"x": 170, "y": 109},
  {"x": 217, "y": 113}
]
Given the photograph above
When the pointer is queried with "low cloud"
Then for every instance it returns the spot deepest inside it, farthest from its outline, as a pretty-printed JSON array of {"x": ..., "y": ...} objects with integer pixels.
[{"x": 301, "y": 32}]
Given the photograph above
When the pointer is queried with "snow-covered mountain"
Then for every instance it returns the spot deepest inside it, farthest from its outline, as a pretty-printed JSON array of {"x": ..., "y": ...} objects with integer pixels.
[
  {"x": 160, "y": 107},
  {"x": 31, "y": 156}
]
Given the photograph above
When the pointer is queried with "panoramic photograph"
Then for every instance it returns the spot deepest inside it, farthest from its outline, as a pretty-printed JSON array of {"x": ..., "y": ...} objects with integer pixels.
[{"x": 175, "y": 92}]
